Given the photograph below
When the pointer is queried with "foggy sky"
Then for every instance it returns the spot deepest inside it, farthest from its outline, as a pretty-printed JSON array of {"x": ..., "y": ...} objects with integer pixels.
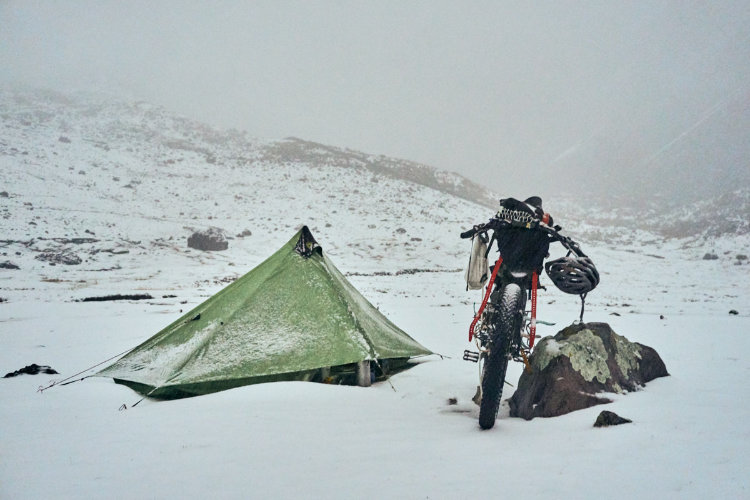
[{"x": 523, "y": 96}]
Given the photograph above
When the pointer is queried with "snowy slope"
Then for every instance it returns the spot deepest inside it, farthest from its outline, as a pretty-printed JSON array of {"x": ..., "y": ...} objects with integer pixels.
[
  {"x": 122, "y": 186},
  {"x": 139, "y": 181}
]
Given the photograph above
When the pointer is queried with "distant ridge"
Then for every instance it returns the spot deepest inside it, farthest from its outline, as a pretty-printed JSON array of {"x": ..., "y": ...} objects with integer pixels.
[{"x": 293, "y": 149}]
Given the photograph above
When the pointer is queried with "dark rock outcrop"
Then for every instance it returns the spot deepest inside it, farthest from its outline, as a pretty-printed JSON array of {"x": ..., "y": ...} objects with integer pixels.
[
  {"x": 8, "y": 265},
  {"x": 607, "y": 418},
  {"x": 139, "y": 296},
  {"x": 32, "y": 369},
  {"x": 571, "y": 369},
  {"x": 53, "y": 258},
  {"x": 212, "y": 239}
]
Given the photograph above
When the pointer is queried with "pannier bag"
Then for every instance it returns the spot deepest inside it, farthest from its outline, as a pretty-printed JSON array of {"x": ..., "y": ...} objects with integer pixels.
[{"x": 478, "y": 271}]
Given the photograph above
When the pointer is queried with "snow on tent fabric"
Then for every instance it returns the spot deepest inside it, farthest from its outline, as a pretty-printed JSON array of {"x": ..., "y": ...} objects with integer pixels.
[{"x": 293, "y": 317}]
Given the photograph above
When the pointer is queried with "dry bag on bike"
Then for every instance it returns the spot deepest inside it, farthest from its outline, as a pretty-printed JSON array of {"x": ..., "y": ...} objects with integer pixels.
[{"x": 478, "y": 270}]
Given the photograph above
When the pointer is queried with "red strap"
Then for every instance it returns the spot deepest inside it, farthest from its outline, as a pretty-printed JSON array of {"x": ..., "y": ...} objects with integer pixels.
[
  {"x": 486, "y": 297},
  {"x": 532, "y": 329}
]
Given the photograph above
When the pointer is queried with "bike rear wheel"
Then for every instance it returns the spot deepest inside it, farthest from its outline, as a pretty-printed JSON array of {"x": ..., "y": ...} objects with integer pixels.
[{"x": 496, "y": 364}]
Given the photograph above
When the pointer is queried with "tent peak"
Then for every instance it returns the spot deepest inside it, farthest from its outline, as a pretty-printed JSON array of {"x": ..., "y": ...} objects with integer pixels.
[{"x": 306, "y": 243}]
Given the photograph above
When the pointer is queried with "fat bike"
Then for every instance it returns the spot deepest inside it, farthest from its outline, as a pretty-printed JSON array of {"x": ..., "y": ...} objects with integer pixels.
[{"x": 502, "y": 328}]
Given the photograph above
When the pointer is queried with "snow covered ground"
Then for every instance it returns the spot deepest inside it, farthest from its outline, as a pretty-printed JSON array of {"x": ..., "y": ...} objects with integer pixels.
[
  {"x": 400, "y": 439},
  {"x": 688, "y": 438}
]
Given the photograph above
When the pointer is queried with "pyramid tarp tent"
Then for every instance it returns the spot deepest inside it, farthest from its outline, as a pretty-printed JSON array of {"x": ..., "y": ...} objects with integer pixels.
[{"x": 294, "y": 317}]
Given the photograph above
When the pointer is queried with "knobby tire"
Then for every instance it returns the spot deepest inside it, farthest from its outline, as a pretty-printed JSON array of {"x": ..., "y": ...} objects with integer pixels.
[{"x": 496, "y": 364}]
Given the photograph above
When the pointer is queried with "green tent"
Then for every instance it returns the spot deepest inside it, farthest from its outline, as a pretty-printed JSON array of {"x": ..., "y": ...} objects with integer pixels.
[{"x": 294, "y": 317}]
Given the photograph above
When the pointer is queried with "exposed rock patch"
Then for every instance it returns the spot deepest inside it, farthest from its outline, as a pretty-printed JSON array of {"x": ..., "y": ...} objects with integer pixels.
[
  {"x": 143, "y": 296},
  {"x": 53, "y": 258},
  {"x": 571, "y": 369},
  {"x": 212, "y": 239},
  {"x": 32, "y": 369}
]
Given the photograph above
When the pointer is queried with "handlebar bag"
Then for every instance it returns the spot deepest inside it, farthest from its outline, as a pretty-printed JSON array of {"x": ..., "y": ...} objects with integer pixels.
[{"x": 521, "y": 248}]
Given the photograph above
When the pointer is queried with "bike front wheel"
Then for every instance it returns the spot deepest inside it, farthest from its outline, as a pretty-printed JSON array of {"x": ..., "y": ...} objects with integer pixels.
[{"x": 496, "y": 363}]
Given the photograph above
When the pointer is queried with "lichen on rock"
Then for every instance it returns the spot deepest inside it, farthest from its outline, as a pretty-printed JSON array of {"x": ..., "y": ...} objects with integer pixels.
[
  {"x": 627, "y": 354},
  {"x": 588, "y": 356},
  {"x": 585, "y": 350},
  {"x": 545, "y": 350}
]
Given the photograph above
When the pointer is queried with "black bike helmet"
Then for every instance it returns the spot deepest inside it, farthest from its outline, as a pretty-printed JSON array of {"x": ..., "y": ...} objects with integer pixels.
[{"x": 576, "y": 275}]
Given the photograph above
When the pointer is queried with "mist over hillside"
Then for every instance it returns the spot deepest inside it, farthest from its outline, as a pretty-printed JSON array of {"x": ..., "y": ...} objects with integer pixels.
[
  {"x": 105, "y": 152},
  {"x": 701, "y": 162}
]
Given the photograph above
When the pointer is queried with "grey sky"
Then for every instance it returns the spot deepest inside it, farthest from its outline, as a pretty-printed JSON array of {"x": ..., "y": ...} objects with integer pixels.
[{"x": 509, "y": 93}]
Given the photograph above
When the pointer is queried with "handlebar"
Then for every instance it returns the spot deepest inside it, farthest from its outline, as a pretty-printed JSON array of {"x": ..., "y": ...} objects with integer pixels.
[
  {"x": 553, "y": 232},
  {"x": 483, "y": 228}
]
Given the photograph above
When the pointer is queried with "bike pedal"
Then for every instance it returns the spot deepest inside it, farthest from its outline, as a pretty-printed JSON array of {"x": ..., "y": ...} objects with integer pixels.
[{"x": 471, "y": 356}]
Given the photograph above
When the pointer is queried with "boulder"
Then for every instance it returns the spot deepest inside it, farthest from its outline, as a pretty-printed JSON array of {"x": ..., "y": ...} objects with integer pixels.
[
  {"x": 570, "y": 370},
  {"x": 212, "y": 239},
  {"x": 607, "y": 418}
]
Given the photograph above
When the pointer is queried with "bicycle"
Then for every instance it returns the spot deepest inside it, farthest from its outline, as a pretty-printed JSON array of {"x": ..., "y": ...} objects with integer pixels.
[{"x": 501, "y": 328}]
